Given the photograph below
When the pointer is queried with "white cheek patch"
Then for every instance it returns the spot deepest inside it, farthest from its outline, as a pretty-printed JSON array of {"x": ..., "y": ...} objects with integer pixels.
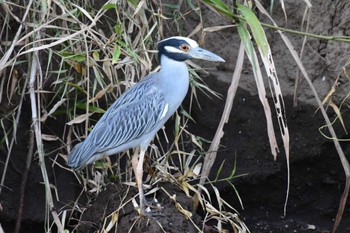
[{"x": 171, "y": 49}]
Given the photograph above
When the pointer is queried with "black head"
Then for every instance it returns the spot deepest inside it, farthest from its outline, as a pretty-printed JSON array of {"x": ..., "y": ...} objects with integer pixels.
[
  {"x": 180, "y": 48},
  {"x": 176, "y": 48}
]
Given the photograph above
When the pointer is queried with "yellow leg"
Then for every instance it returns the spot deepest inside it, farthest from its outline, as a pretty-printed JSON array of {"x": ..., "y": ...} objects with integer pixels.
[{"x": 137, "y": 165}]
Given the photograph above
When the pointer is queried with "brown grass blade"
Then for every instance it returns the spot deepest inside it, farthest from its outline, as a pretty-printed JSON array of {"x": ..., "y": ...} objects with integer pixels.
[
  {"x": 342, "y": 157},
  {"x": 231, "y": 92}
]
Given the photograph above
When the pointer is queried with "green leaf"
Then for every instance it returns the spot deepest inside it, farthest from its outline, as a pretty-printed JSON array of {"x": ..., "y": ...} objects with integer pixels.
[
  {"x": 109, "y": 6},
  {"x": 92, "y": 108},
  {"x": 118, "y": 29},
  {"x": 100, "y": 164},
  {"x": 219, "y": 171},
  {"x": 220, "y": 7},
  {"x": 247, "y": 43},
  {"x": 187, "y": 115},
  {"x": 248, "y": 46},
  {"x": 127, "y": 48},
  {"x": 233, "y": 172},
  {"x": 256, "y": 28},
  {"x": 72, "y": 56},
  {"x": 116, "y": 55},
  {"x": 79, "y": 88},
  {"x": 96, "y": 55},
  {"x": 133, "y": 3}
]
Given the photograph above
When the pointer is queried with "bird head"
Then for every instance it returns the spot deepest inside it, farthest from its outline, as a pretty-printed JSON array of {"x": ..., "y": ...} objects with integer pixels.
[{"x": 180, "y": 48}]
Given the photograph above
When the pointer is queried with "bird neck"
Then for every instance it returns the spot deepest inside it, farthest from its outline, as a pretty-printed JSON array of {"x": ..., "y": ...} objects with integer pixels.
[
  {"x": 173, "y": 67},
  {"x": 174, "y": 79}
]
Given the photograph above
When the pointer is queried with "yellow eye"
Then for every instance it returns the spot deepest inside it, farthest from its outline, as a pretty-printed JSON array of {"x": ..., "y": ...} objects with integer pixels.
[{"x": 184, "y": 47}]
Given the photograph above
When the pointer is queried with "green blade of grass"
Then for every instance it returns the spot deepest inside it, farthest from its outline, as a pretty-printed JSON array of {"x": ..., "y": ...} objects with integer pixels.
[
  {"x": 91, "y": 108},
  {"x": 220, "y": 7},
  {"x": 248, "y": 46},
  {"x": 116, "y": 55},
  {"x": 256, "y": 28}
]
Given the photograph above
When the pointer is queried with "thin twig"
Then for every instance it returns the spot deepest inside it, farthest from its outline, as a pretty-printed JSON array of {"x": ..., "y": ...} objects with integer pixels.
[
  {"x": 233, "y": 16},
  {"x": 7, "y": 9},
  {"x": 297, "y": 76},
  {"x": 2, "y": 66},
  {"x": 13, "y": 139},
  {"x": 14, "y": 41},
  {"x": 24, "y": 182},
  {"x": 37, "y": 130},
  {"x": 345, "y": 39}
]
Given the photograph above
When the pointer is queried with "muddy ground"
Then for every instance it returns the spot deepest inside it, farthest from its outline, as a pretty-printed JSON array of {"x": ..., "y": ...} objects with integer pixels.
[{"x": 317, "y": 177}]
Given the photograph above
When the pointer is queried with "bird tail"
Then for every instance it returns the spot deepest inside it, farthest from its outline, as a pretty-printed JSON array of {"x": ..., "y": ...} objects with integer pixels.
[{"x": 80, "y": 156}]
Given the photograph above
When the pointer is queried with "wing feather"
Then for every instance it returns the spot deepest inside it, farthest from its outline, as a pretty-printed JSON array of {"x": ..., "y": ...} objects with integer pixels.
[
  {"x": 137, "y": 112},
  {"x": 133, "y": 94},
  {"x": 130, "y": 122}
]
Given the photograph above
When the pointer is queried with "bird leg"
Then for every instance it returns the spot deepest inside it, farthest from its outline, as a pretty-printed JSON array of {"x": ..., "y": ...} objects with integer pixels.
[{"x": 137, "y": 165}]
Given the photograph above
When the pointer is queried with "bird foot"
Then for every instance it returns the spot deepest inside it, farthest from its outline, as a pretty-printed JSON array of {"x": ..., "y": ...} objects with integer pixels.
[{"x": 148, "y": 208}]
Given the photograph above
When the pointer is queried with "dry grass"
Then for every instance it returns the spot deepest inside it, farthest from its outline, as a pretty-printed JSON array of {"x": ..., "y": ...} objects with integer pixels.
[{"x": 80, "y": 58}]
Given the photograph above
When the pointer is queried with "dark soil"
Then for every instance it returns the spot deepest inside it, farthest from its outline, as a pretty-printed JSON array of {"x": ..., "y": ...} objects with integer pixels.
[
  {"x": 163, "y": 218},
  {"x": 317, "y": 178}
]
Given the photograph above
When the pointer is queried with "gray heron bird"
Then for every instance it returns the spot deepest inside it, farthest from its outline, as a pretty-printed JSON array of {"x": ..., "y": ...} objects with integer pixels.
[{"x": 135, "y": 117}]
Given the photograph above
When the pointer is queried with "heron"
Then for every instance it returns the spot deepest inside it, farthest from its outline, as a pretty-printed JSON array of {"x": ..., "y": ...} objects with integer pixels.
[{"x": 132, "y": 121}]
